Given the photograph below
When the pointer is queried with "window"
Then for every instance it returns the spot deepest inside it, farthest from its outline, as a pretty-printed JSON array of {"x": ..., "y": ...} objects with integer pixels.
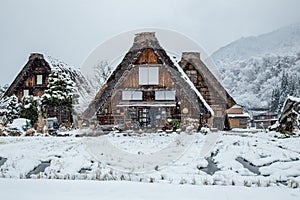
[
  {"x": 25, "y": 93},
  {"x": 132, "y": 95},
  {"x": 192, "y": 74},
  {"x": 143, "y": 117},
  {"x": 165, "y": 95},
  {"x": 243, "y": 122},
  {"x": 39, "y": 79},
  {"x": 148, "y": 95},
  {"x": 148, "y": 76}
]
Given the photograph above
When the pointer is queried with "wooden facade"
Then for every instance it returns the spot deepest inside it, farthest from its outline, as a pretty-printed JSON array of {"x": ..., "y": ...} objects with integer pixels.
[
  {"x": 237, "y": 117},
  {"x": 209, "y": 87},
  {"x": 147, "y": 91},
  {"x": 264, "y": 120}
]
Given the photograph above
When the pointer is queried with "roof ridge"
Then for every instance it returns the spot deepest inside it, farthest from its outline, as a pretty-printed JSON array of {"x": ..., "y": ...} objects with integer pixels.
[{"x": 145, "y": 40}]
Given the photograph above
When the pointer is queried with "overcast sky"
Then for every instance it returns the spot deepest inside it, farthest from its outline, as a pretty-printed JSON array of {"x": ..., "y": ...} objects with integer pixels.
[{"x": 71, "y": 29}]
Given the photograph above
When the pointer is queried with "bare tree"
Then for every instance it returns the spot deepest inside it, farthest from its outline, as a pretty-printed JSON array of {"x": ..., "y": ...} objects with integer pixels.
[
  {"x": 101, "y": 73},
  {"x": 3, "y": 90}
]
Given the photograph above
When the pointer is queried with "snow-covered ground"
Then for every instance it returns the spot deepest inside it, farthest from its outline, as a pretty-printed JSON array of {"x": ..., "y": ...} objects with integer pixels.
[
  {"x": 64, "y": 189},
  {"x": 222, "y": 158}
]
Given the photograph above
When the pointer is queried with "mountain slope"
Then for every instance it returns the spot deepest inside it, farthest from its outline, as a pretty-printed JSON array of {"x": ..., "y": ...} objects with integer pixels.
[
  {"x": 251, "y": 68},
  {"x": 251, "y": 82}
]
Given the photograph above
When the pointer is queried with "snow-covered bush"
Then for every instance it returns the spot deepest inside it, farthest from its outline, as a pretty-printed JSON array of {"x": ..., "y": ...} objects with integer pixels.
[
  {"x": 59, "y": 97},
  {"x": 29, "y": 108},
  {"x": 10, "y": 108}
]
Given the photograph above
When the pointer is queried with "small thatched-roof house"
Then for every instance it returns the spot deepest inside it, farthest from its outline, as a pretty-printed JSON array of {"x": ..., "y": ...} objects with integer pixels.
[
  {"x": 289, "y": 119},
  {"x": 210, "y": 88},
  {"x": 33, "y": 79},
  {"x": 147, "y": 90}
]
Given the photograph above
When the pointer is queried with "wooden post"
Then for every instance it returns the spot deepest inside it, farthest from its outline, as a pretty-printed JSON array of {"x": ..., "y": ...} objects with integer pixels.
[
  {"x": 40, "y": 127},
  {"x": 80, "y": 123}
]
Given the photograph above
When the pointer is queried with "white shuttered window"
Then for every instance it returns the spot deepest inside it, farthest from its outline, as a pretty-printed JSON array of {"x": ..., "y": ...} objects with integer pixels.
[
  {"x": 165, "y": 95},
  {"x": 148, "y": 75},
  {"x": 39, "y": 79},
  {"x": 132, "y": 95}
]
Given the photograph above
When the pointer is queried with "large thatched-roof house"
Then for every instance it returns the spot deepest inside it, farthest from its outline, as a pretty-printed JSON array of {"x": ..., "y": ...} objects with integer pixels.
[{"x": 147, "y": 89}]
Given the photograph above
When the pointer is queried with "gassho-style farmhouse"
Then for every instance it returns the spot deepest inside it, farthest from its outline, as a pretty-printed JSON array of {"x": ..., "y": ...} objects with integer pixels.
[{"x": 149, "y": 89}]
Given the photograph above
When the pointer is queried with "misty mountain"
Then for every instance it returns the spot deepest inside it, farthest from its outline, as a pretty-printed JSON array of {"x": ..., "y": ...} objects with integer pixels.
[
  {"x": 284, "y": 41},
  {"x": 251, "y": 68}
]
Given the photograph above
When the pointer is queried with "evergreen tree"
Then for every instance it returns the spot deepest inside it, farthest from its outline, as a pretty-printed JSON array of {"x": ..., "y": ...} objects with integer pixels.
[
  {"x": 12, "y": 109},
  {"x": 288, "y": 86},
  {"x": 275, "y": 100},
  {"x": 58, "y": 98},
  {"x": 292, "y": 85},
  {"x": 284, "y": 89},
  {"x": 29, "y": 108}
]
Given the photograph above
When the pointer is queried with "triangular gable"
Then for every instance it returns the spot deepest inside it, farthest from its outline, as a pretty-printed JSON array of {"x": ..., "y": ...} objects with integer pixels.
[
  {"x": 148, "y": 56},
  {"x": 290, "y": 105},
  {"x": 34, "y": 61}
]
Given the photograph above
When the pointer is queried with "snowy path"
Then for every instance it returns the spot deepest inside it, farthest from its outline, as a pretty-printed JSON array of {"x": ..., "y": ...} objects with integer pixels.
[
  {"x": 209, "y": 143},
  {"x": 15, "y": 189},
  {"x": 114, "y": 157}
]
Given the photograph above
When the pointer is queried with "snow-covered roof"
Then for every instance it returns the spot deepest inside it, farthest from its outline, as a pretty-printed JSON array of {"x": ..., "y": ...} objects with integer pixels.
[
  {"x": 292, "y": 98},
  {"x": 58, "y": 65},
  {"x": 291, "y": 105},
  {"x": 82, "y": 86},
  {"x": 237, "y": 106},
  {"x": 288, "y": 99}
]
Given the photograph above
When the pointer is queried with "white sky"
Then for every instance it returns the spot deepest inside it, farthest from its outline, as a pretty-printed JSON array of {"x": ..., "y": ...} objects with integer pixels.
[{"x": 71, "y": 29}]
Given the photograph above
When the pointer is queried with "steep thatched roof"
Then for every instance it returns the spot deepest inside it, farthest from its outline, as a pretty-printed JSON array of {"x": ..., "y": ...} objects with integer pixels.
[
  {"x": 33, "y": 58},
  {"x": 142, "y": 41},
  {"x": 291, "y": 105},
  {"x": 215, "y": 87}
]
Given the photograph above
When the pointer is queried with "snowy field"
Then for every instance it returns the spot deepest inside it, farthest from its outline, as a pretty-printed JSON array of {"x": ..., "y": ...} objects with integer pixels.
[{"x": 243, "y": 162}]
